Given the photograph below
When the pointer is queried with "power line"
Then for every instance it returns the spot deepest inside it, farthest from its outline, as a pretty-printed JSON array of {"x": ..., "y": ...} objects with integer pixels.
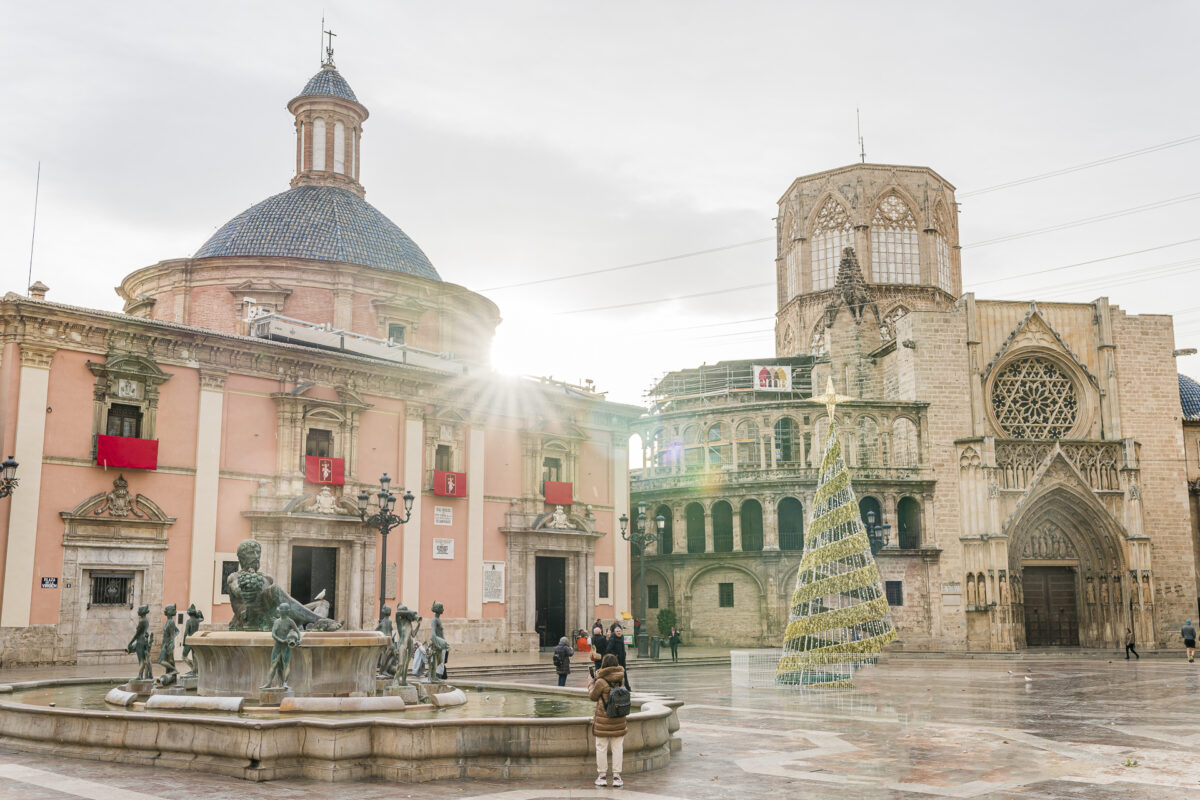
[
  {"x": 1067, "y": 170},
  {"x": 1087, "y": 221},
  {"x": 1085, "y": 263},
  {"x": 726, "y": 290}
]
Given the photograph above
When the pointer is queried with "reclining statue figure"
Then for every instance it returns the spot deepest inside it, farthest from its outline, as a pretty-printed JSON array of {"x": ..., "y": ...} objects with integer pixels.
[{"x": 256, "y": 599}]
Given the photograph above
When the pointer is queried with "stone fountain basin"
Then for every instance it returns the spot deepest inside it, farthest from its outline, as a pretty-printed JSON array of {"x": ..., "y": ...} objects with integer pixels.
[
  {"x": 347, "y": 747},
  {"x": 326, "y": 664}
]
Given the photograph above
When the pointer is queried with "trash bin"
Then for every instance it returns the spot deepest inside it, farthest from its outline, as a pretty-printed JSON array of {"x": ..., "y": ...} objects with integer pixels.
[{"x": 655, "y": 645}]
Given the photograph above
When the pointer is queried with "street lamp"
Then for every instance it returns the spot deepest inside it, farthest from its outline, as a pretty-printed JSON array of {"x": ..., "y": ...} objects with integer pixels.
[
  {"x": 385, "y": 521},
  {"x": 8, "y": 476},
  {"x": 877, "y": 534},
  {"x": 640, "y": 538}
]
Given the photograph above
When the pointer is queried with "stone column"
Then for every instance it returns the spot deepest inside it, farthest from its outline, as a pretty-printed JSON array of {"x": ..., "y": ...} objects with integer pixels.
[
  {"x": 708, "y": 532},
  {"x": 204, "y": 488},
  {"x": 25, "y": 501},
  {"x": 770, "y": 524},
  {"x": 737, "y": 529},
  {"x": 354, "y": 617},
  {"x": 410, "y": 551},
  {"x": 678, "y": 530}
]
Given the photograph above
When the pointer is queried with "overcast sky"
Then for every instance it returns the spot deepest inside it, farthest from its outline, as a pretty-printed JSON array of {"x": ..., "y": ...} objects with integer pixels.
[{"x": 520, "y": 141}]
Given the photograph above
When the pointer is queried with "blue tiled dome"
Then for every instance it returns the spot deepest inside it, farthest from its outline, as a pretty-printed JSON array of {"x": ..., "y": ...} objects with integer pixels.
[
  {"x": 323, "y": 223},
  {"x": 328, "y": 82},
  {"x": 1189, "y": 397}
]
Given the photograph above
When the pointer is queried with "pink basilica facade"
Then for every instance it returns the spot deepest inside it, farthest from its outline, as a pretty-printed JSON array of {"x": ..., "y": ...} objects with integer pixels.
[{"x": 253, "y": 390}]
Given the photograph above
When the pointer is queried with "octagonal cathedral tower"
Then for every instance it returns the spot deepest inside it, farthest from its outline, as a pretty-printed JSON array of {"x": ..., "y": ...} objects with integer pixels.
[{"x": 902, "y": 223}]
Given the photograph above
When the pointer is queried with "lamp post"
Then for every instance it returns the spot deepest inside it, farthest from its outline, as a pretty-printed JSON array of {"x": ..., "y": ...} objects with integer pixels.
[
  {"x": 640, "y": 538},
  {"x": 877, "y": 534},
  {"x": 8, "y": 476},
  {"x": 384, "y": 521}
]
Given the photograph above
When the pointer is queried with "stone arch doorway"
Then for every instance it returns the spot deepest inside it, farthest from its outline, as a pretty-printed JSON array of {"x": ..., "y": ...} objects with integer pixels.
[{"x": 1066, "y": 578}]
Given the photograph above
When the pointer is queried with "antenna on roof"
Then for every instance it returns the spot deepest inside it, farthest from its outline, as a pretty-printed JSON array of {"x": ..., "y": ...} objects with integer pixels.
[
  {"x": 862, "y": 151},
  {"x": 33, "y": 236}
]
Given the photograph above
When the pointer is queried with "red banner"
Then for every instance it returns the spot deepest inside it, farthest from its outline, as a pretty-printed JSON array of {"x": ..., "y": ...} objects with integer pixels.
[
  {"x": 125, "y": 452},
  {"x": 320, "y": 469},
  {"x": 558, "y": 493},
  {"x": 449, "y": 484}
]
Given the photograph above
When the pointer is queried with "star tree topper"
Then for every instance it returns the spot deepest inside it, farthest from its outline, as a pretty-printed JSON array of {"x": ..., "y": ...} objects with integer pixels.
[{"x": 831, "y": 398}]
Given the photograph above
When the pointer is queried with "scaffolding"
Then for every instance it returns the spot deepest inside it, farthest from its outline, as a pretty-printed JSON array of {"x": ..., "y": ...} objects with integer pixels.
[{"x": 725, "y": 378}]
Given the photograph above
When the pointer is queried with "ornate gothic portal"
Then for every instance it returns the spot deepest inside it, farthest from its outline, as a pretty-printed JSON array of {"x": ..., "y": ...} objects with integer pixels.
[{"x": 1071, "y": 581}]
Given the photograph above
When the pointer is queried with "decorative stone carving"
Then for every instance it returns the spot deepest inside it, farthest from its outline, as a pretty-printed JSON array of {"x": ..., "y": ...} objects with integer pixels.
[
  {"x": 118, "y": 502},
  {"x": 1048, "y": 542},
  {"x": 326, "y": 502},
  {"x": 559, "y": 519},
  {"x": 1034, "y": 399}
]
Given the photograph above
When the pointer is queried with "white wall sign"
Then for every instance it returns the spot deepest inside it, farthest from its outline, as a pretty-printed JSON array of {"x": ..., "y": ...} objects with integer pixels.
[
  {"x": 443, "y": 548},
  {"x": 443, "y": 515},
  {"x": 493, "y": 581}
]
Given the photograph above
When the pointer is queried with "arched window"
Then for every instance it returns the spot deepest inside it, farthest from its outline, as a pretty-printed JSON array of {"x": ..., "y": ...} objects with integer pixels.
[
  {"x": 791, "y": 524},
  {"x": 718, "y": 445},
  {"x": 695, "y": 527},
  {"x": 816, "y": 343},
  {"x": 339, "y": 147},
  {"x": 318, "y": 151},
  {"x": 942, "y": 247},
  {"x": 866, "y": 441},
  {"x": 752, "y": 526},
  {"x": 908, "y": 514},
  {"x": 894, "y": 239},
  {"x": 665, "y": 542},
  {"x": 904, "y": 443},
  {"x": 747, "y": 443},
  {"x": 869, "y": 505},
  {"x": 666, "y": 449},
  {"x": 722, "y": 522},
  {"x": 832, "y": 232},
  {"x": 693, "y": 452},
  {"x": 788, "y": 449}
]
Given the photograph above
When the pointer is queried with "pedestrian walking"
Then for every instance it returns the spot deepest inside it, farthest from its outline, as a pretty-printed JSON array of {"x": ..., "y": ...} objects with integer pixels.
[
  {"x": 608, "y": 722},
  {"x": 420, "y": 659},
  {"x": 562, "y": 660},
  {"x": 1189, "y": 640},
  {"x": 673, "y": 640},
  {"x": 599, "y": 643},
  {"x": 615, "y": 646},
  {"x": 1129, "y": 645}
]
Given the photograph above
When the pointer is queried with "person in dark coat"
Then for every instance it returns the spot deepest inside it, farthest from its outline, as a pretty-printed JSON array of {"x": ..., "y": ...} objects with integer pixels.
[
  {"x": 674, "y": 640},
  {"x": 562, "y": 660},
  {"x": 616, "y": 646},
  {"x": 609, "y": 732},
  {"x": 599, "y": 643}
]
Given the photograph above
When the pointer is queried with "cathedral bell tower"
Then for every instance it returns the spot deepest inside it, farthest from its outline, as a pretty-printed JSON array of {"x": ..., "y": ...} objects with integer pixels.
[
  {"x": 902, "y": 225},
  {"x": 329, "y": 122}
]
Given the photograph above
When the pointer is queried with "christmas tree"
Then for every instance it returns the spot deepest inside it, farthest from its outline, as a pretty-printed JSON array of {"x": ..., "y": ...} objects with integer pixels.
[{"x": 839, "y": 618}]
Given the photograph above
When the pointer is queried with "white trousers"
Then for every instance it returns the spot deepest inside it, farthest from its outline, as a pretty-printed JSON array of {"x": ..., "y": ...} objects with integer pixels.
[{"x": 604, "y": 744}]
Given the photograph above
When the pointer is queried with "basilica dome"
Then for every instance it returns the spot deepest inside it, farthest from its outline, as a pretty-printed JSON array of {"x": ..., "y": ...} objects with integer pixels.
[
  {"x": 325, "y": 223},
  {"x": 1189, "y": 398}
]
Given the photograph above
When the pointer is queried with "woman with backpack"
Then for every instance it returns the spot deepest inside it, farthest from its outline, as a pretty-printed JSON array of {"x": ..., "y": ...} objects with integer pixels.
[
  {"x": 608, "y": 723},
  {"x": 562, "y": 660}
]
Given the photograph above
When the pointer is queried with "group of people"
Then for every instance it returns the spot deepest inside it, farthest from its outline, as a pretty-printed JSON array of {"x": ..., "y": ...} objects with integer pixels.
[{"x": 599, "y": 645}]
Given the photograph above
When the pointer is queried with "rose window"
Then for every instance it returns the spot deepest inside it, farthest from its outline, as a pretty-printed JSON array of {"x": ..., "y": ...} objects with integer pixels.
[{"x": 1034, "y": 399}]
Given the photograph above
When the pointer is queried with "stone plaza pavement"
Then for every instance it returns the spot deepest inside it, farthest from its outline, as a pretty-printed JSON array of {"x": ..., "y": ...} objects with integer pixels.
[{"x": 1081, "y": 726}]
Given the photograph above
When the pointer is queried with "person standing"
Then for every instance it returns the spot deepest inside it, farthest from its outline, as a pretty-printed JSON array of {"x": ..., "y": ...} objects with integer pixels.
[
  {"x": 599, "y": 643},
  {"x": 1189, "y": 640},
  {"x": 673, "y": 640},
  {"x": 608, "y": 731},
  {"x": 615, "y": 646},
  {"x": 562, "y": 660},
  {"x": 1129, "y": 645}
]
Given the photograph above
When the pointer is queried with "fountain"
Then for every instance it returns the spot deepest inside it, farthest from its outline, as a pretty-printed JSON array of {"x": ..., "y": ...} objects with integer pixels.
[{"x": 271, "y": 700}]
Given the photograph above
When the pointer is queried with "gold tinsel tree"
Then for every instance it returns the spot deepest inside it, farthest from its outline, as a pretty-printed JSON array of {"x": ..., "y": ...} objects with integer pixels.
[{"x": 839, "y": 618}]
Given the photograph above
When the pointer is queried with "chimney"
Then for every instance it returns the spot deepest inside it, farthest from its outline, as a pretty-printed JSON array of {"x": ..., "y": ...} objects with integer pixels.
[{"x": 38, "y": 290}]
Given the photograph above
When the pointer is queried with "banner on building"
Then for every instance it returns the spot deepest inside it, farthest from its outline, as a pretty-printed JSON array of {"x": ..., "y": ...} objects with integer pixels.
[
  {"x": 126, "y": 452},
  {"x": 449, "y": 484},
  {"x": 320, "y": 469},
  {"x": 558, "y": 493},
  {"x": 772, "y": 378}
]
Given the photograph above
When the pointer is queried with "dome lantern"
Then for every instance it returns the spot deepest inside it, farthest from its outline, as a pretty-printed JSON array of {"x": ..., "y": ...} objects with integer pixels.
[{"x": 329, "y": 122}]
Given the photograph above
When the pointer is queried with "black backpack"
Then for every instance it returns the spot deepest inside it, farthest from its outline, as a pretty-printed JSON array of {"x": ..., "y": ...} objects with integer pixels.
[
  {"x": 558, "y": 660},
  {"x": 618, "y": 702}
]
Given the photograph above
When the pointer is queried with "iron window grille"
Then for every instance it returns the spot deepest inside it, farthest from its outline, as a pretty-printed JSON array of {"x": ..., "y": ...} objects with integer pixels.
[
  {"x": 895, "y": 592},
  {"x": 111, "y": 589},
  {"x": 652, "y": 596},
  {"x": 725, "y": 595}
]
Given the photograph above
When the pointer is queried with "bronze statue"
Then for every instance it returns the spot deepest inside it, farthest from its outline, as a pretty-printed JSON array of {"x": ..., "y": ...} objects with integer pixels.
[
  {"x": 406, "y": 635},
  {"x": 438, "y": 646},
  {"x": 286, "y": 636},
  {"x": 256, "y": 599},
  {"x": 141, "y": 643},
  {"x": 195, "y": 617},
  {"x": 390, "y": 654},
  {"x": 166, "y": 653}
]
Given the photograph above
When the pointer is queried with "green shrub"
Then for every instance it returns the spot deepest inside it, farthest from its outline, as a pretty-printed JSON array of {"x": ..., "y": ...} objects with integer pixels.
[{"x": 666, "y": 618}]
